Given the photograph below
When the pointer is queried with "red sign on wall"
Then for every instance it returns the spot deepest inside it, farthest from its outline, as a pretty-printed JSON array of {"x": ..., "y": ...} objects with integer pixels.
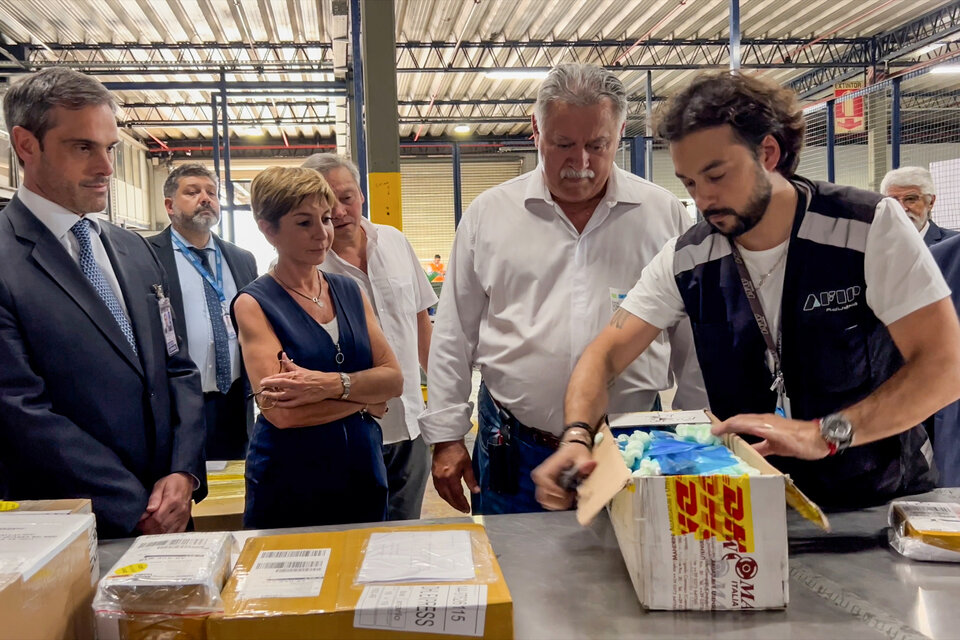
[{"x": 848, "y": 114}]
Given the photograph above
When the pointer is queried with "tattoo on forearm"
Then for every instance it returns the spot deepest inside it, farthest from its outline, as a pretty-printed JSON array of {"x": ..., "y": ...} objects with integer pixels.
[{"x": 619, "y": 317}]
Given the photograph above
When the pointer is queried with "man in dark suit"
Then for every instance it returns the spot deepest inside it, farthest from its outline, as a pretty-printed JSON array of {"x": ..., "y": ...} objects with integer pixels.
[
  {"x": 913, "y": 188},
  {"x": 946, "y": 422},
  {"x": 96, "y": 398},
  {"x": 205, "y": 274}
]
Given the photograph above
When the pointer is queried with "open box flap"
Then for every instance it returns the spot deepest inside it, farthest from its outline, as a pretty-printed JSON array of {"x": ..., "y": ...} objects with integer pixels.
[
  {"x": 611, "y": 474},
  {"x": 606, "y": 481}
]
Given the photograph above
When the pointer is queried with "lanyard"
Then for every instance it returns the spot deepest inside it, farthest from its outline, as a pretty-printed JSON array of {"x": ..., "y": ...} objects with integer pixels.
[
  {"x": 201, "y": 269},
  {"x": 753, "y": 297}
]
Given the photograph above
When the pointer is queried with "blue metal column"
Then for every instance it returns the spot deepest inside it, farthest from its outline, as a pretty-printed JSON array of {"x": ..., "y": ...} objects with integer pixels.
[
  {"x": 216, "y": 135},
  {"x": 457, "y": 187},
  {"x": 895, "y": 125},
  {"x": 831, "y": 135},
  {"x": 735, "y": 35},
  {"x": 637, "y": 148},
  {"x": 231, "y": 235},
  {"x": 359, "y": 128},
  {"x": 648, "y": 126}
]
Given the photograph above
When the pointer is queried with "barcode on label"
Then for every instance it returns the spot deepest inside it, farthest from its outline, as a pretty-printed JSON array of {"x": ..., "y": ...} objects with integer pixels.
[
  {"x": 303, "y": 565},
  {"x": 930, "y": 510},
  {"x": 177, "y": 543},
  {"x": 293, "y": 553}
]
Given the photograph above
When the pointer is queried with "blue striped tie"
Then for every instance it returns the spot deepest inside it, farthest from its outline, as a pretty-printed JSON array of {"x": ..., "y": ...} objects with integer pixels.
[
  {"x": 221, "y": 344},
  {"x": 95, "y": 275}
]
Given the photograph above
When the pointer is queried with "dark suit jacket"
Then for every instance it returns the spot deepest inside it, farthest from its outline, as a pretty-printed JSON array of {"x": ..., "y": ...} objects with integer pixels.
[
  {"x": 946, "y": 425},
  {"x": 935, "y": 233},
  {"x": 81, "y": 415},
  {"x": 242, "y": 265}
]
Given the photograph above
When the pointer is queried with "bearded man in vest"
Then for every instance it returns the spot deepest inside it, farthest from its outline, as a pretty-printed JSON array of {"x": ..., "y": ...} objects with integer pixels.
[{"x": 811, "y": 305}]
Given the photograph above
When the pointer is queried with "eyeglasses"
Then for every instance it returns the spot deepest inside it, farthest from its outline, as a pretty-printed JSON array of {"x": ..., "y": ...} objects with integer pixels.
[
  {"x": 262, "y": 403},
  {"x": 909, "y": 200}
]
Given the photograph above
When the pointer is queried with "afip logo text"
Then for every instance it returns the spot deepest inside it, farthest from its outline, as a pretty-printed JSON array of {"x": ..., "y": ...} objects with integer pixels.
[{"x": 835, "y": 300}]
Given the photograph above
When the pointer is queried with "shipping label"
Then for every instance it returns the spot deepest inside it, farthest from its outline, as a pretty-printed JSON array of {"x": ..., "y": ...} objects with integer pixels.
[{"x": 452, "y": 609}]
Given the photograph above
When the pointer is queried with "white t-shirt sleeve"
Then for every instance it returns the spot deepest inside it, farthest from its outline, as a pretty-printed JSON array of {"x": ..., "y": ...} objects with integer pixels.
[
  {"x": 655, "y": 298},
  {"x": 899, "y": 270}
]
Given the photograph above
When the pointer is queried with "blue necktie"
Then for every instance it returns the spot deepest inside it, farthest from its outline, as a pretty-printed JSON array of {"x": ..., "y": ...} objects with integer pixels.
[
  {"x": 93, "y": 272},
  {"x": 221, "y": 344}
]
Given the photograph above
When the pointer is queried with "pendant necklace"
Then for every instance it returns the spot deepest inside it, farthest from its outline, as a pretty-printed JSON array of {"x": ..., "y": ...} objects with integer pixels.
[
  {"x": 316, "y": 300},
  {"x": 764, "y": 277}
]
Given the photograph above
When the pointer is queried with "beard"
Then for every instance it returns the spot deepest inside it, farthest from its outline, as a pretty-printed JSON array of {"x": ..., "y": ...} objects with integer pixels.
[
  {"x": 752, "y": 212},
  {"x": 202, "y": 219}
]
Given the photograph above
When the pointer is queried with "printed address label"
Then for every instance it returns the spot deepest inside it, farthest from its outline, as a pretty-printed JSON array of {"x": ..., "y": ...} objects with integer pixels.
[{"x": 453, "y": 609}]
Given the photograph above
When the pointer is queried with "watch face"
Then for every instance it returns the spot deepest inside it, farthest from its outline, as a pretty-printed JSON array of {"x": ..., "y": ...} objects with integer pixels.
[{"x": 838, "y": 428}]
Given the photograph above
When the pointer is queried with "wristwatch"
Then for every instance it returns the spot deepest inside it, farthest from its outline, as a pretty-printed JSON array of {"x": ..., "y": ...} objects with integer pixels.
[
  {"x": 837, "y": 431},
  {"x": 345, "y": 380}
]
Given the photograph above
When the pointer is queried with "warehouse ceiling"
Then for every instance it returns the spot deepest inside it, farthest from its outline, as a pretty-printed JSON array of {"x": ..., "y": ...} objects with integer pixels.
[{"x": 283, "y": 61}]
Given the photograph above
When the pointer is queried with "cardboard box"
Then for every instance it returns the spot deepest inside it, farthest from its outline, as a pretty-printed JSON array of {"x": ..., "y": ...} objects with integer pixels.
[
  {"x": 222, "y": 509},
  {"x": 164, "y": 586},
  {"x": 61, "y": 506},
  {"x": 314, "y": 592},
  {"x": 48, "y": 571},
  {"x": 697, "y": 542}
]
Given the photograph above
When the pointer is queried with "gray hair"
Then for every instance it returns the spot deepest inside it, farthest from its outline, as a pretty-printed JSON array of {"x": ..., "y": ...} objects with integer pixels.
[
  {"x": 189, "y": 170},
  {"x": 29, "y": 101},
  {"x": 324, "y": 163},
  {"x": 909, "y": 177},
  {"x": 582, "y": 85}
]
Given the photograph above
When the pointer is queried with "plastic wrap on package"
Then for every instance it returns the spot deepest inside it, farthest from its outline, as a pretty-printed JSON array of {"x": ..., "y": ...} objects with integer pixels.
[
  {"x": 927, "y": 531},
  {"x": 164, "y": 586}
]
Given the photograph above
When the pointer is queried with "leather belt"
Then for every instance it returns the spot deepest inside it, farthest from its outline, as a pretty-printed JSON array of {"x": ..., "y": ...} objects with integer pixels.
[{"x": 538, "y": 436}]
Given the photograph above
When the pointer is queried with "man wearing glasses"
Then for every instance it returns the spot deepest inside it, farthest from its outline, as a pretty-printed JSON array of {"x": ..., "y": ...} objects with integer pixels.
[{"x": 913, "y": 188}]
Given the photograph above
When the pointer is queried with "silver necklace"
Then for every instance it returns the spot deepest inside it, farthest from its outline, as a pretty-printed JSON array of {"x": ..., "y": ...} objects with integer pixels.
[
  {"x": 764, "y": 277},
  {"x": 316, "y": 300}
]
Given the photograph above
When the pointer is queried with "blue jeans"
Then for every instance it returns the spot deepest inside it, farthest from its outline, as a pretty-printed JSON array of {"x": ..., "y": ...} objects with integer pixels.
[{"x": 529, "y": 456}]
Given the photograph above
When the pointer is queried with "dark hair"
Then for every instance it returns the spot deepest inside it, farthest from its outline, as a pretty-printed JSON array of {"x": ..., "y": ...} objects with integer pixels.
[
  {"x": 190, "y": 170},
  {"x": 753, "y": 108},
  {"x": 28, "y": 102}
]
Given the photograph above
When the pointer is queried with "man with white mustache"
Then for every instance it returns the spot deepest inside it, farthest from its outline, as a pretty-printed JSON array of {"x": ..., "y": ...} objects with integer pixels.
[
  {"x": 538, "y": 267},
  {"x": 913, "y": 188}
]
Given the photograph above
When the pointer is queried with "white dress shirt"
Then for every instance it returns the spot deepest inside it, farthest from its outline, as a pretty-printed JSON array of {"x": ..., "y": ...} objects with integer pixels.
[
  {"x": 197, "y": 316},
  {"x": 525, "y": 293},
  {"x": 398, "y": 289},
  {"x": 59, "y": 220}
]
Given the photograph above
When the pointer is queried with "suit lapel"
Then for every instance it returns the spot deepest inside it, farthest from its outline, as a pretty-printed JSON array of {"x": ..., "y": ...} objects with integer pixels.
[
  {"x": 135, "y": 293},
  {"x": 53, "y": 259},
  {"x": 168, "y": 259}
]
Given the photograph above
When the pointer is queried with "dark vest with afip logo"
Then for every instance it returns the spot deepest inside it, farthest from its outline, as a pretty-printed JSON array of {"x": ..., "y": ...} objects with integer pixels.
[{"x": 835, "y": 351}]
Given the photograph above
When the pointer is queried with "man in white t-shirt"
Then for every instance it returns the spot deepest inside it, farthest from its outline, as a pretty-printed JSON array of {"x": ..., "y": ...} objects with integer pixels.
[
  {"x": 811, "y": 307},
  {"x": 383, "y": 263}
]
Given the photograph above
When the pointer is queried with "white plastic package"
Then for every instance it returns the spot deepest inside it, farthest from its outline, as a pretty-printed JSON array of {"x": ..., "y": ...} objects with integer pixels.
[{"x": 927, "y": 531}]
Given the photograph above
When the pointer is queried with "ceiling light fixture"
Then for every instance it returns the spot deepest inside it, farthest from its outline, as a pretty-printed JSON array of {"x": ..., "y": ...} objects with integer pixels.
[
  {"x": 462, "y": 128},
  {"x": 946, "y": 68}
]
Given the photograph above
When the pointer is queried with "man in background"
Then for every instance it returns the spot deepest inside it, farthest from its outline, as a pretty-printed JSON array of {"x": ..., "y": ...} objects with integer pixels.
[
  {"x": 383, "y": 263},
  {"x": 97, "y": 399},
  {"x": 913, "y": 188},
  {"x": 205, "y": 273}
]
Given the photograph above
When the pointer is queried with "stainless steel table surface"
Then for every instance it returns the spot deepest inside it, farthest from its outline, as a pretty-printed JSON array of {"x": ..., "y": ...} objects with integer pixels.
[{"x": 570, "y": 582}]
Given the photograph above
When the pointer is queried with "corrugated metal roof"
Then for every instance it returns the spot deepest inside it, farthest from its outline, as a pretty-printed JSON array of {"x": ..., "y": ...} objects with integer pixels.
[{"x": 196, "y": 35}]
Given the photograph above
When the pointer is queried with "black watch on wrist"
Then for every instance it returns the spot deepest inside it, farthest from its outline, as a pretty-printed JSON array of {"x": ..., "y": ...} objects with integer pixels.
[{"x": 837, "y": 431}]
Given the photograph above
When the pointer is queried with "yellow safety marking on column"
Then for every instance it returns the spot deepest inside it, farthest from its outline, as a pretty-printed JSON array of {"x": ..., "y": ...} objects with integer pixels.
[
  {"x": 384, "y": 202},
  {"x": 6, "y": 505}
]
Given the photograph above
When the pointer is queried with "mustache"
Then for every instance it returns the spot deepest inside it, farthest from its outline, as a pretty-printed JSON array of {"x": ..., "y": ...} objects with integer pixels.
[{"x": 573, "y": 173}]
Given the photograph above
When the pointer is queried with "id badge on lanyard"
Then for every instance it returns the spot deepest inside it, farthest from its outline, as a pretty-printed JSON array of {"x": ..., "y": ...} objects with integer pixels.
[
  {"x": 753, "y": 298},
  {"x": 166, "y": 320}
]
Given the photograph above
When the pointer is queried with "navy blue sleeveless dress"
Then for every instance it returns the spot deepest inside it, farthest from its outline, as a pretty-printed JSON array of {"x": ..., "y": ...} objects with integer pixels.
[{"x": 323, "y": 474}]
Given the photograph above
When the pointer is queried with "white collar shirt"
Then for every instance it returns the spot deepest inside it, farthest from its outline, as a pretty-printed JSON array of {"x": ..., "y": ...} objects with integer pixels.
[
  {"x": 59, "y": 221},
  {"x": 197, "y": 315},
  {"x": 398, "y": 289},
  {"x": 525, "y": 293}
]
